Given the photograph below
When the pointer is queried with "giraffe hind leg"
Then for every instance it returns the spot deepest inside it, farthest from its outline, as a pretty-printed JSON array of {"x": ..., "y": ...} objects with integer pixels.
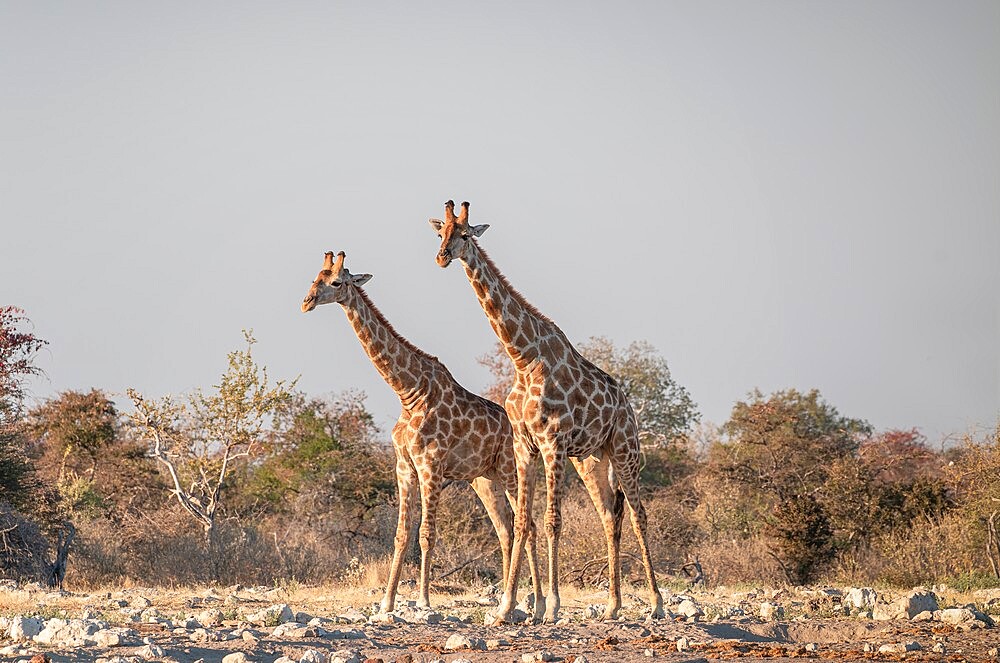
[
  {"x": 629, "y": 480},
  {"x": 496, "y": 508}
]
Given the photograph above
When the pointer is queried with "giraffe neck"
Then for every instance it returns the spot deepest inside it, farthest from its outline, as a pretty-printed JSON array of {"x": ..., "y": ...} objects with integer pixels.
[
  {"x": 408, "y": 370},
  {"x": 516, "y": 323}
]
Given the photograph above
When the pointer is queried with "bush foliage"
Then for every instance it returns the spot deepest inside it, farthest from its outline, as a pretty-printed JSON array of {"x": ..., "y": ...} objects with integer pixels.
[{"x": 787, "y": 490}]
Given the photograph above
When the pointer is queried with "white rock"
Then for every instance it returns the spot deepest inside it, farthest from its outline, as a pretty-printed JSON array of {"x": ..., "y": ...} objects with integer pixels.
[
  {"x": 345, "y": 634},
  {"x": 683, "y": 644},
  {"x": 345, "y": 656},
  {"x": 771, "y": 612},
  {"x": 272, "y": 615},
  {"x": 140, "y": 602},
  {"x": 532, "y": 656},
  {"x": 211, "y": 617},
  {"x": 918, "y": 601},
  {"x": 25, "y": 628},
  {"x": 899, "y": 647},
  {"x": 150, "y": 652},
  {"x": 235, "y": 657},
  {"x": 353, "y": 616},
  {"x": 860, "y": 598},
  {"x": 284, "y": 659},
  {"x": 311, "y": 656},
  {"x": 689, "y": 609},
  {"x": 457, "y": 641},
  {"x": 108, "y": 638},
  {"x": 939, "y": 648},
  {"x": 811, "y": 646}
]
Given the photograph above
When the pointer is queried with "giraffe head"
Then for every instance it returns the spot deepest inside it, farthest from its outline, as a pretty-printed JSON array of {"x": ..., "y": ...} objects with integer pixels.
[
  {"x": 333, "y": 283},
  {"x": 456, "y": 234}
]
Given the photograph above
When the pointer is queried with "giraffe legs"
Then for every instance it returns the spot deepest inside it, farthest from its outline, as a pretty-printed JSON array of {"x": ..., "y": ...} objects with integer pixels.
[
  {"x": 430, "y": 494},
  {"x": 610, "y": 506},
  {"x": 533, "y": 568},
  {"x": 493, "y": 499},
  {"x": 406, "y": 481},
  {"x": 555, "y": 469},
  {"x": 627, "y": 471},
  {"x": 522, "y": 531}
]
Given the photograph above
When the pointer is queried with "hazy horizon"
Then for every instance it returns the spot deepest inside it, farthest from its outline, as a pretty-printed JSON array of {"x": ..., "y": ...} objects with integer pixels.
[{"x": 774, "y": 195}]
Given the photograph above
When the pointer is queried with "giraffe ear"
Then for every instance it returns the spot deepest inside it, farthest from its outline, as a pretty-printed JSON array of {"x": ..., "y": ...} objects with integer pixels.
[
  {"x": 476, "y": 231},
  {"x": 436, "y": 224},
  {"x": 360, "y": 279}
]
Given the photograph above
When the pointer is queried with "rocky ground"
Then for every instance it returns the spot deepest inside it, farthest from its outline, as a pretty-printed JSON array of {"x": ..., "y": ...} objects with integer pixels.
[{"x": 337, "y": 625}]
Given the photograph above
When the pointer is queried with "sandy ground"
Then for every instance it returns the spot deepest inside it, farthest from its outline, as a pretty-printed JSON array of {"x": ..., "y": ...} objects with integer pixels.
[{"x": 815, "y": 628}]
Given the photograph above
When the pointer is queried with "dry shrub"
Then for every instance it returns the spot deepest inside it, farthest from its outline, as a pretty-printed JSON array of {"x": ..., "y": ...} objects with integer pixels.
[
  {"x": 730, "y": 561},
  {"x": 23, "y": 548}
]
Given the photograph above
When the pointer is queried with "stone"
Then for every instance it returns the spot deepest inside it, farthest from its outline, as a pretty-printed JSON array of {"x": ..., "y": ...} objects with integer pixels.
[
  {"x": 303, "y": 617},
  {"x": 899, "y": 647},
  {"x": 24, "y": 628},
  {"x": 272, "y": 615},
  {"x": 593, "y": 612},
  {"x": 353, "y": 616},
  {"x": 771, "y": 612},
  {"x": 649, "y": 653},
  {"x": 955, "y": 615},
  {"x": 235, "y": 657},
  {"x": 140, "y": 602},
  {"x": 683, "y": 644},
  {"x": 811, "y": 647},
  {"x": 284, "y": 659},
  {"x": 71, "y": 633},
  {"x": 386, "y": 618},
  {"x": 939, "y": 648},
  {"x": 152, "y": 616},
  {"x": 210, "y": 617},
  {"x": 458, "y": 641},
  {"x": 294, "y": 630},
  {"x": 859, "y": 598},
  {"x": 345, "y": 656},
  {"x": 311, "y": 656},
  {"x": 918, "y": 601},
  {"x": 532, "y": 656},
  {"x": 108, "y": 638},
  {"x": 689, "y": 609},
  {"x": 345, "y": 634},
  {"x": 580, "y": 658},
  {"x": 150, "y": 652},
  {"x": 924, "y": 616}
]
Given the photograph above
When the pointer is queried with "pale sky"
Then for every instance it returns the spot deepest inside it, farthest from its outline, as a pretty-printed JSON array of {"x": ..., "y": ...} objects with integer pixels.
[{"x": 774, "y": 194}]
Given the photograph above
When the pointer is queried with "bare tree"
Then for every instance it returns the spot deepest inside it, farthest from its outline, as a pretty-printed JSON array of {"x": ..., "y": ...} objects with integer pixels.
[{"x": 199, "y": 442}]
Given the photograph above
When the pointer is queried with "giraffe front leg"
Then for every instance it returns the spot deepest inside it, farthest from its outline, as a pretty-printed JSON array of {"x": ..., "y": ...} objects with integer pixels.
[
  {"x": 405, "y": 482},
  {"x": 555, "y": 467},
  {"x": 522, "y": 515},
  {"x": 430, "y": 494}
]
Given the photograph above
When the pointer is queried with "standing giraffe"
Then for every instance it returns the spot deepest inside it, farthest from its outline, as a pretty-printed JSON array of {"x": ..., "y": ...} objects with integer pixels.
[
  {"x": 560, "y": 405},
  {"x": 443, "y": 432}
]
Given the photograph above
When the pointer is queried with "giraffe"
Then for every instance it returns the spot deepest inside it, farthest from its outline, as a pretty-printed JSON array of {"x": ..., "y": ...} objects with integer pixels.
[
  {"x": 560, "y": 406},
  {"x": 444, "y": 431}
]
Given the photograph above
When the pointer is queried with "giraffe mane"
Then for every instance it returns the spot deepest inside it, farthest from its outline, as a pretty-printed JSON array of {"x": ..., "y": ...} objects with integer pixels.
[
  {"x": 511, "y": 289},
  {"x": 388, "y": 325}
]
